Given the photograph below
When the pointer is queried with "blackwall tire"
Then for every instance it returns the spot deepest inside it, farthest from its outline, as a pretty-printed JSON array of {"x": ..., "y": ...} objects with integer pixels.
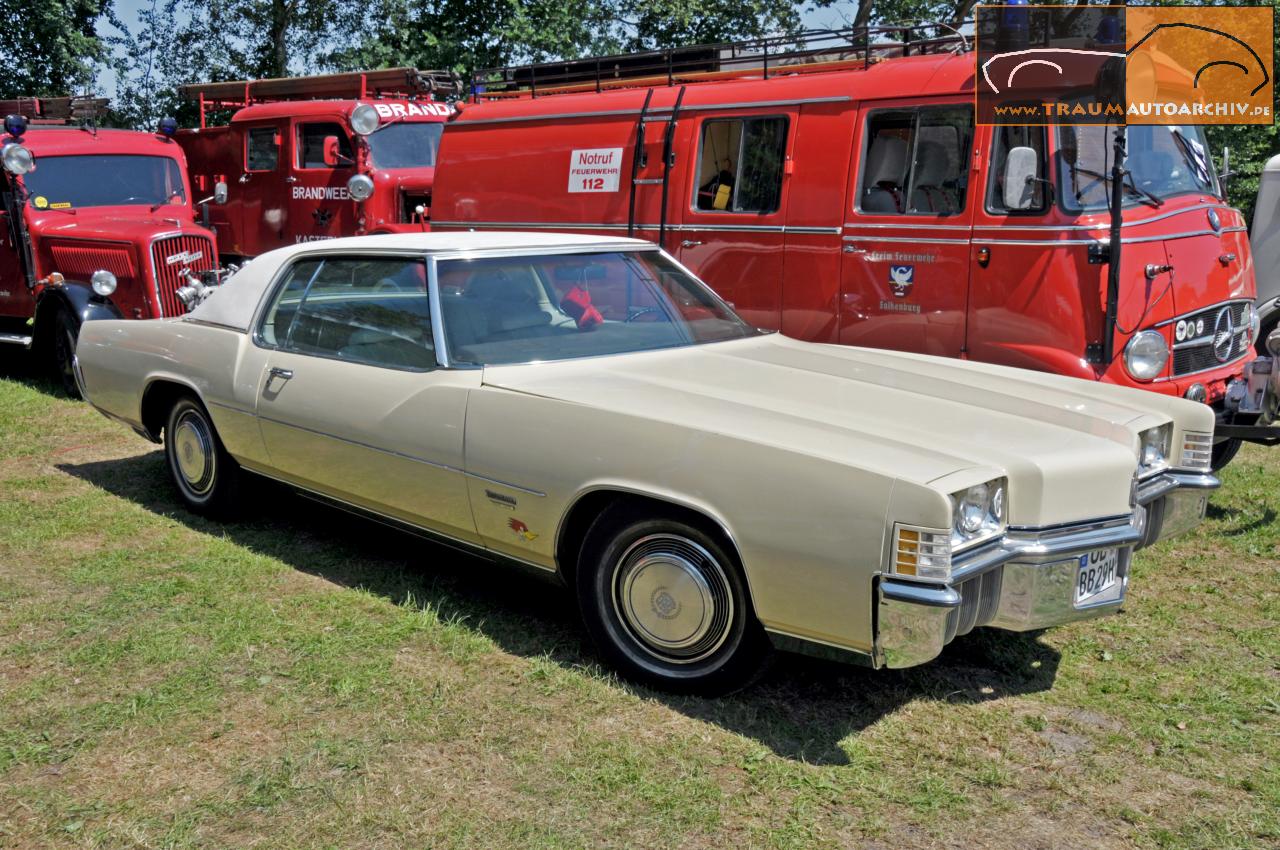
[
  {"x": 66, "y": 331},
  {"x": 206, "y": 477},
  {"x": 1223, "y": 454},
  {"x": 667, "y": 605}
]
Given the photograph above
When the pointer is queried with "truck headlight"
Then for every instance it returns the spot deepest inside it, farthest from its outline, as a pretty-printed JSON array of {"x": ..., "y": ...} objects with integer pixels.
[
  {"x": 103, "y": 282},
  {"x": 360, "y": 187},
  {"x": 922, "y": 553},
  {"x": 18, "y": 159},
  {"x": 1153, "y": 448},
  {"x": 979, "y": 513},
  {"x": 364, "y": 119},
  {"x": 1252, "y": 316},
  {"x": 1146, "y": 355}
]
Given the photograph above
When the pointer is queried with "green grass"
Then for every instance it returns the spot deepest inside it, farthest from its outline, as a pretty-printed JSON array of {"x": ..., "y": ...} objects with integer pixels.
[{"x": 310, "y": 680}]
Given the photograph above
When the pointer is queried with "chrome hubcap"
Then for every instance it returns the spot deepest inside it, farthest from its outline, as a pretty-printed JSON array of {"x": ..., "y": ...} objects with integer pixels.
[
  {"x": 193, "y": 453},
  {"x": 673, "y": 597}
]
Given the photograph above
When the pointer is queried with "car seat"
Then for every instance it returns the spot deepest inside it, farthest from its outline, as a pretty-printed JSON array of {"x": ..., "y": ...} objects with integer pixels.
[
  {"x": 932, "y": 173},
  {"x": 886, "y": 167}
]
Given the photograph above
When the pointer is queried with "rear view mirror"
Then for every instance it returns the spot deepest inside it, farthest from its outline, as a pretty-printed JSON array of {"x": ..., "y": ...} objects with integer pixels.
[
  {"x": 220, "y": 192},
  {"x": 331, "y": 156},
  {"x": 1020, "y": 176}
]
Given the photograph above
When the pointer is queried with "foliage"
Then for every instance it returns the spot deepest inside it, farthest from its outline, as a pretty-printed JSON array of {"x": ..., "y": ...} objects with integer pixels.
[{"x": 51, "y": 46}]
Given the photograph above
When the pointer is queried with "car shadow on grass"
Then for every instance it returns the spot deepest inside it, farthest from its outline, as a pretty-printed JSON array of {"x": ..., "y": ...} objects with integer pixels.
[{"x": 802, "y": 709}]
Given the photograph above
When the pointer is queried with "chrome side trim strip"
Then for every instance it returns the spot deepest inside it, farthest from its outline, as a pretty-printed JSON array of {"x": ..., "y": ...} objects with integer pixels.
[
  {"x": 906, "y": 240},
  {"x": 960, "y": 227},
  {"x": 208, "y": 324},
  {"x": 231, "y": 407}
]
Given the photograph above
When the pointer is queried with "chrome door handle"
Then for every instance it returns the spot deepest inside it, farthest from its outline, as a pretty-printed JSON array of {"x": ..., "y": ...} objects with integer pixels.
[
  {"x": 850, "y": 248},
  {"x": 291, "y": 179},
  {"x": 690, "y": 243},
  {"x": 244, "y": 178},
  {"x": 277, "y": 372},
  {"x": 1227, "y": 258}
]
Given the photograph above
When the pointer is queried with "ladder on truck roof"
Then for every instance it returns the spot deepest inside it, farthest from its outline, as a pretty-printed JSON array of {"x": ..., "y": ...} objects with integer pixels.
[
  {"x": 809, "y": 51},
  {"x": 356, "y": 85},
  {"x": 55, "y": 110}
]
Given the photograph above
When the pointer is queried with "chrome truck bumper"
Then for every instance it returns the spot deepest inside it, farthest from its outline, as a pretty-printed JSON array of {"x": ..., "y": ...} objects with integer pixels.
[{"x": 1027, "y": 580}]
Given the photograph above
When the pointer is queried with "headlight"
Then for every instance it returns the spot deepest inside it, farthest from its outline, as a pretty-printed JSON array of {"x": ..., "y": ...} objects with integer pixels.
[
  {"x": 17, "y": 159},
  {"x": 922, "y": 553},
  {"x": 103, "y": 282},
  {"x": 364, "y": 119},
  {"x": 1146, "y": 355},
  {"x": 979, "y": 513},
  {"x": 1153, "y": 448},
  {"x": 1197, "y": 451},
  {"x": 360, "y": 187}
]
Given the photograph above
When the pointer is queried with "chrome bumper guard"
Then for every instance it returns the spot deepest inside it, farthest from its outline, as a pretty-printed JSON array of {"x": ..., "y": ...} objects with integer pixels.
[{"x": 1026, "y": 580}]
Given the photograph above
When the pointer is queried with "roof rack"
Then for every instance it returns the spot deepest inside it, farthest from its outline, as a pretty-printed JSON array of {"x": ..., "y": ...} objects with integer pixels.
[
  {"x": 387, "y": 82},
  {"x": 55, "y": 110},
  {"x": 808, "y": 51}
]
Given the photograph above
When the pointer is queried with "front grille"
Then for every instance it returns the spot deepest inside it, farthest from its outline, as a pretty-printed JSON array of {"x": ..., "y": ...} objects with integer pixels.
[
  {"x": 77, "y": 262},
  {"x": 1223, "y": 339},
  {"x": 170, "y": 256},
  {"x": 979, "y": 599}
]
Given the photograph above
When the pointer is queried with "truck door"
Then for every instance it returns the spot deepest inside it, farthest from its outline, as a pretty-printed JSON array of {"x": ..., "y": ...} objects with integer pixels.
[
  {"x": 905, "y": 252},
  {"x": 259, "y": 195},
  {"x": 15, "y": 298},
  {"x": 319, "y": 205},
  {"x": 732, "y": 232}
]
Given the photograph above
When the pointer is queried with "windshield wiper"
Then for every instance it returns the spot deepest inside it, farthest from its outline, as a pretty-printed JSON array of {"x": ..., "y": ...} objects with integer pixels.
[{"x": 1127, "y": 183}]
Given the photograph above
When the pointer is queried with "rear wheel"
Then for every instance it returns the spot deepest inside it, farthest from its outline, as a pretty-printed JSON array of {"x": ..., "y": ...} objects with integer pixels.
[
  {"x": 667, "y": 605},
  {"x": 206, "y": 476},
  {"x": 66, "y": 330}
]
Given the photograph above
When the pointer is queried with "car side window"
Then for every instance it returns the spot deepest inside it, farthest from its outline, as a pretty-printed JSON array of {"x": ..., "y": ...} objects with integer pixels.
[
  {"x": 915, "y": 161},
  {"x": 262, "y": 149},
  {"x": 311, "y": 145},
  {"x": 740, "y": 165},
  {"x": 371, "y": 310},
  {"x": 1029, "y": 144}
]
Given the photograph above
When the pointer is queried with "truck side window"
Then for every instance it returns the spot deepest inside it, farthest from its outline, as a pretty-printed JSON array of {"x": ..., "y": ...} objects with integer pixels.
[
  {"x": 262, "y": 149},
  {"x": 1005, "y": 139},
  {"x": 915, "y": 161},
  {"x": 311, "y": 145},
  {"x": 740, "y": 165}
]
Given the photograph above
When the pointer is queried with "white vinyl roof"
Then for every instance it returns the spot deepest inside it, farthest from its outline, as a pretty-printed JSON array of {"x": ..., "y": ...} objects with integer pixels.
[{"x": 234, "y": 303}]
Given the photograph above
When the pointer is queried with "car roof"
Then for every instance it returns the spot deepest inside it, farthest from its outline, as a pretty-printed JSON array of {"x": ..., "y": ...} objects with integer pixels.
[{"x": 235, "y": 304}]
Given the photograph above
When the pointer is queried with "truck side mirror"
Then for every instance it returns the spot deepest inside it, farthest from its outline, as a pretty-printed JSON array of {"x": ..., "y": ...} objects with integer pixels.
[
  {"x": 1020, "y": 178},
  {"x": 220, "y": 192},
  {"x": 331, "y": 156}
]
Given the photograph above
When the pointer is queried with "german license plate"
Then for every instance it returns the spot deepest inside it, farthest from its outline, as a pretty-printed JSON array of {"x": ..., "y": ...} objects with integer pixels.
[{"x": 1098, "y": 577}]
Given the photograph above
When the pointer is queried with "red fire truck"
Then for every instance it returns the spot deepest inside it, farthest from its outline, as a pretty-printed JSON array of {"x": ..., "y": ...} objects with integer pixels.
[
  {"x": 836, "y": 188},
  {"x": 96, "y": 224},
  {"x": 311, "y": 158}
]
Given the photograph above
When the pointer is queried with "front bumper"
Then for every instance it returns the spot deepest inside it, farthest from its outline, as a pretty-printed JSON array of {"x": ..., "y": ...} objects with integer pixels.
[
  {"x": 1026, "y": 580},
  {"x": 1251, "y": 410}
]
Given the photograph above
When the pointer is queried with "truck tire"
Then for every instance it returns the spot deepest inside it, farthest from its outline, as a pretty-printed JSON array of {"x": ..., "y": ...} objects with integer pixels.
[
  {"x": 667, "y": 605},
  {"x": 206, "y": 477},
  {"x": 1223, "y": 453},
  {"x": 65, "y": 328}
]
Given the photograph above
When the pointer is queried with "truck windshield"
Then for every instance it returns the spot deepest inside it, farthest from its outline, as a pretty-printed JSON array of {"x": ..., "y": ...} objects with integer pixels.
[
  {"x": 1163, "y": 161},
  {"x": 409, "y": 144},
  {"x": 524, "y": 309},
  {"x": 103, "y": 180}
]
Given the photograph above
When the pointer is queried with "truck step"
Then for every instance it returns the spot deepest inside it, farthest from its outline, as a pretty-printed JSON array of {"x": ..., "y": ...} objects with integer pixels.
[{"x": 14, "y": 339}]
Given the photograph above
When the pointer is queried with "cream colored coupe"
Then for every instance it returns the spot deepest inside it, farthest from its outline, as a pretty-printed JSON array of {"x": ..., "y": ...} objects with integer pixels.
[{"x": 586, "y": 408}]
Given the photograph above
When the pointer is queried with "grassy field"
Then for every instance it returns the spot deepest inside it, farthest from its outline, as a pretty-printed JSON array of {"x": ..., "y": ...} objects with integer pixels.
[{"x": 312, "y": 680}]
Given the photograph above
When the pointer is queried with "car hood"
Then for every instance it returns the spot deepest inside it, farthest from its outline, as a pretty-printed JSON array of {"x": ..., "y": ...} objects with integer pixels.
[
  {"x": 125, "y": 224},
  {"x": 912, "y": 417}
]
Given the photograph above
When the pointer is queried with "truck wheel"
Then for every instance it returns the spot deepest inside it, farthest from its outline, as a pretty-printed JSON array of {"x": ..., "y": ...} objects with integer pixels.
[
  {"x": 66, "y": 330},
  {"x": 206, "y": 476},
  {"x": 1223, "y": 453},
  {"x": 667, "y": 605}
]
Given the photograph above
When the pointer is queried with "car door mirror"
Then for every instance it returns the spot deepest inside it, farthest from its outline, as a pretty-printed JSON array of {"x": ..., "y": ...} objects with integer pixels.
[
  {"x": 332, "y": 159},
  {"x": 220, "y": 192},
  {"x": 1020, "y": 177}
]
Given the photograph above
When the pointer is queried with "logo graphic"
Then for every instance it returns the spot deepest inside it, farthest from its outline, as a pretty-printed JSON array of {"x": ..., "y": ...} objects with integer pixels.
[
  {"x": 1224, "y": 335},
  {"x": 901, "y": 279},
  {"x": 1215, "y": 221},
  {"x": 521, "y": 530},
  {"x": 1117, "y": 64},
  {"x": 322, "y": 216},
  {"x": 183, "y": 257}
]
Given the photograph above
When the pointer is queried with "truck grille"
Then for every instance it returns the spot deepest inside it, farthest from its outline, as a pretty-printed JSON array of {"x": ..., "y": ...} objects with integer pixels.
[
  {"x": 77, "y": 262},
  {"x": 1224, "y": 339},
  {"x": 170, "y": 256}
]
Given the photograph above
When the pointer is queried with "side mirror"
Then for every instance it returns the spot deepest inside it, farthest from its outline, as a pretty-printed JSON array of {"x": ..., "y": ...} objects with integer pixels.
[
  {"x": 220, "y": 192},
  {"x": 331, "y": 156},
  {"x": 1021, "y": 168}
]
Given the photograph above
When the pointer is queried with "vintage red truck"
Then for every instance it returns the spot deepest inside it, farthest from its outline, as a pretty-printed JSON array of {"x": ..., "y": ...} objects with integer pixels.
[
  {"x": 96, "y": 224},
  {"x": 840, "y": 192},
  {"x": 311, "y": 158}
]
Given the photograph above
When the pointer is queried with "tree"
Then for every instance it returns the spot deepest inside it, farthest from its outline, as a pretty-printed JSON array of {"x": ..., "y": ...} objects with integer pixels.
[{"x": 51, "y": 48}]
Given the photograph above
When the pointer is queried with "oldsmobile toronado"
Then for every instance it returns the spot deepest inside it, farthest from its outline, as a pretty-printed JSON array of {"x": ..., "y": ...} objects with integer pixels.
[{"x": 585, "y": 408}]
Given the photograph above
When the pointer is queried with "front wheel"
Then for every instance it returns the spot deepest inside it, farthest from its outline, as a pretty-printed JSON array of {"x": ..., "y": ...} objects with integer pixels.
[
  {"x": 667, "y": 605},
  {"x": 1223, "y": 453},
  {"x": 66, "y": 330},
  {"x": 206, "y": 476}
]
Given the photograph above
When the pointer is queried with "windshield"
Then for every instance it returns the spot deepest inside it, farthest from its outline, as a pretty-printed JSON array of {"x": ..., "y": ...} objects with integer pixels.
[
  {"x": 68, "y": 182},
  {"x": 409, "y": 144},
  {"x": 503, "y": 310},
  {"x": 1163, "y": 161}
]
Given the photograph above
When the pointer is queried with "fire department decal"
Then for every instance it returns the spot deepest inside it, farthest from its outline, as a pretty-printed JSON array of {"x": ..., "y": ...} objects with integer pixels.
[
  {"x": 595, "y": 170},
  {"x": 407, "y": 110},
  {"x": 321, "y": 193},
  {"x": 901, "y": 279}
]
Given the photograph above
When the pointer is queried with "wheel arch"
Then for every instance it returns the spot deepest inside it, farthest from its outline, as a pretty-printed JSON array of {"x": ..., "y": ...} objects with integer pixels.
[{"x": 158, "y": 397}]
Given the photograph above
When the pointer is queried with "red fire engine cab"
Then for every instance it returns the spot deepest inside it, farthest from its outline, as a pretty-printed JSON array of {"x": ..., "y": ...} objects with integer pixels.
[
  {"x": 312, "y": 158},
  {"x": 838, "y": 190},
  {"x": 96, "y": 224}
]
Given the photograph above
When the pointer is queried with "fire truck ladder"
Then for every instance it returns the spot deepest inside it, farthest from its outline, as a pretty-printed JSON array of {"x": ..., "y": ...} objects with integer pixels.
[
  {"x": 809, "y": 51},
  {"x": 638, "y": 161},
  {"x": 410, "y": 83},
  {"x": 55, "y": 110},
  {"x": 668, "y": 160}
]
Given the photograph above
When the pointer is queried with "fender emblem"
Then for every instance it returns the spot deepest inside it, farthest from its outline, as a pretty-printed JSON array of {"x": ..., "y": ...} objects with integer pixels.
[{"x": 183, "y": 257}]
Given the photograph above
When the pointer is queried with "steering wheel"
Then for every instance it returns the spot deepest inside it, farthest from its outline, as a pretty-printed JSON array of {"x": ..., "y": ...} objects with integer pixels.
[
  {"x": 387, "y": 285},
  {"x": 634, "y": 313}
]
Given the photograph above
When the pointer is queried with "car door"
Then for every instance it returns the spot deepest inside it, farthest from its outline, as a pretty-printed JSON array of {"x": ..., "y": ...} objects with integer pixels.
[
  {"x": 905, "y": 257},
  {"x": 260, "y": 195},
  {"x": 319, "y": 203},
  {"x": 732, "y": 233},
  {"x": 351, "y": 402}
]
